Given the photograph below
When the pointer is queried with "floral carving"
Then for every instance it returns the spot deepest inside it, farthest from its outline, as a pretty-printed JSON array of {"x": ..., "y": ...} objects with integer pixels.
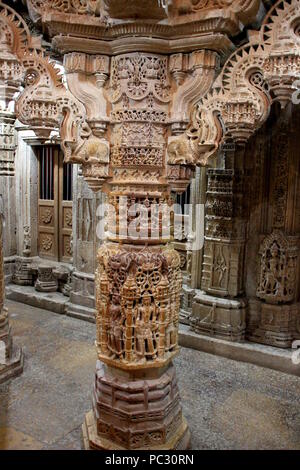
[
  {"x": 46, "y": 242},
  {"x": 68, "y": 218},
  {"x": 47, "y": 216}
]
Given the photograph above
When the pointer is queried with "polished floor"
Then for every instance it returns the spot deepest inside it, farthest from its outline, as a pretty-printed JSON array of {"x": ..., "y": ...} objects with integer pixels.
[{"x": 229, "y": 405}]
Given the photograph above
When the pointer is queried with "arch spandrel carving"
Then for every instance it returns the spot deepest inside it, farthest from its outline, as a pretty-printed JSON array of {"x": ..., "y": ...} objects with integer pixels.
[
  {"x": 14, "y": 39},
  {"x": 14, "y": 31},
  {"x": 46, "y": 104},
  {"x": 257, "y": 74}
]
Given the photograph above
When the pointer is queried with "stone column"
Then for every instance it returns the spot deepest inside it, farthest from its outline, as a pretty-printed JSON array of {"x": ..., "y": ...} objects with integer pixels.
[
  {"x": 85, "y": 245},
  {"x": 122, "y": 114},
  {"x": 7, "y": 174},
  {"x": 138, "y": 280},
  {"x": 195, "y": 241},
  {"x": 219, "y": 308},
  {"x": 11, "y": 359},
  {"x": 26, "y": 206}
]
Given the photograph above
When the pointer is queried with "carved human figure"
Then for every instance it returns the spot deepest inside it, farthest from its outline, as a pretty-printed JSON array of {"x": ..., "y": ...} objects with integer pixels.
[
  {"x": 171, "y": 333},
  {"x": 146, "y": 329},
  {"x": 271, "y": 283},
  {"x": 115, "y": 337},
  {"x": 27, "y": 241}
]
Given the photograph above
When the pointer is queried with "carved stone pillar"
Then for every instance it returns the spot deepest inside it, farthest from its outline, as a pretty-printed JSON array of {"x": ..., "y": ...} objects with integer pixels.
[
  {"x": 216, "y": 310},
  {"x": 85, "y": 245},
  {"x": 127, "y": 151},
  {"x": 138, "y": 278},
  {"x": 10, "y": 79},
  {"x": 194, "y": 245},
  {"x": 122, "y": 117},
  {"x": 11, "y": 359}
]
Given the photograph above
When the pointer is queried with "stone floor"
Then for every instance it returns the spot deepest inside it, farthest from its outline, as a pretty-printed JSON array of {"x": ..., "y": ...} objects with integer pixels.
[{"x": 228, "y": 404}]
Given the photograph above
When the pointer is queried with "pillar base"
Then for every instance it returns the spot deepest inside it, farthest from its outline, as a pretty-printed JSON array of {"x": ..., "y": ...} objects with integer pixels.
[
  {"x": 275, "y": 325},
  {"x": 13, "y": 366},
  {"x": 135, "y": 410},
  {"x": 92, "y": 441},
  {"x": 219, "y": 317}
]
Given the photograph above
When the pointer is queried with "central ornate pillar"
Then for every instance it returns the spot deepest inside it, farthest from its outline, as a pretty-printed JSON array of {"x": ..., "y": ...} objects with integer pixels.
[
  {"x": 136, "y": 400},
  {"x": 128, "y": 148},
  {"x": 125, "y": 118}
]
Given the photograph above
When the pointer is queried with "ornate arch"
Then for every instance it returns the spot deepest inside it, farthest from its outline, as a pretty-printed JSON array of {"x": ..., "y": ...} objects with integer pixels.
[
  {"x": 12, "y": 25},
  {"x": 45, "y": 104},
  {"x": 256, "y": 75},
  {"x": 14, "y": 39}
]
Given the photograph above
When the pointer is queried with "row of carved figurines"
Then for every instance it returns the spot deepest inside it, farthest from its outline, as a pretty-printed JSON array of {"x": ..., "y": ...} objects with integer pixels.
[{"x": 145, "y": 331}]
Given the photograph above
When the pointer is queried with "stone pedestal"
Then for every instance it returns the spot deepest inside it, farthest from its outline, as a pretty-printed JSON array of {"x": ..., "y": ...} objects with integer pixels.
[
  {"x": 188, "y": 295},
  {"x": 24, "y": 275},
  {"x": 46, "y": 282},
  {"x": 222, "y": 318},
  {"x": 132, "y": 410},
  {"x": 277, "y": 325}
]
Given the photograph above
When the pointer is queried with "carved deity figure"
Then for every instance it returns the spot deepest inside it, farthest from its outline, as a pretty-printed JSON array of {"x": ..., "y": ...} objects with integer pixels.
[
  {"x": 115, "y": 336},
  {"x": 146, "y": 329},
  {"x": 171, "y": 332},
  {"x": 271, "y": 272},
  {"x": 26, "y": 241},
  {"x": 277, "y": 269}
]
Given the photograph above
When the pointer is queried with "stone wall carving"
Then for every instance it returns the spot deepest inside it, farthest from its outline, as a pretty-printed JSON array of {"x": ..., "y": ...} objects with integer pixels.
[
  {"x": 138, "y": 296},
  {"x": 240, "y": 100},
  {"x": 145, "y": 9},
  {"x": 278, "y": 265},
  {"x": 274, "y": 306}
]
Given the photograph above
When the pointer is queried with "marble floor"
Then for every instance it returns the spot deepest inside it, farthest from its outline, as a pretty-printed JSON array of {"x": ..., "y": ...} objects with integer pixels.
[{"x": 228, "y": 404}]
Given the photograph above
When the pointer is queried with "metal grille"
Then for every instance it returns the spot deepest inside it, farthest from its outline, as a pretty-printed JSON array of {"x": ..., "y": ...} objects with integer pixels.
[
  {"x": 67, "y": 181},
  {"x": 46, "y": 159},
  {"x": 183, "y": 200}
]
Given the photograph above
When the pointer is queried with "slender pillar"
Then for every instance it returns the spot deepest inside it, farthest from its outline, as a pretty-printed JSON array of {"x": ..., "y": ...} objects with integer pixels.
[
  {"x": 219, "y": 308},
  {"x": 11, "y": 359}
]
